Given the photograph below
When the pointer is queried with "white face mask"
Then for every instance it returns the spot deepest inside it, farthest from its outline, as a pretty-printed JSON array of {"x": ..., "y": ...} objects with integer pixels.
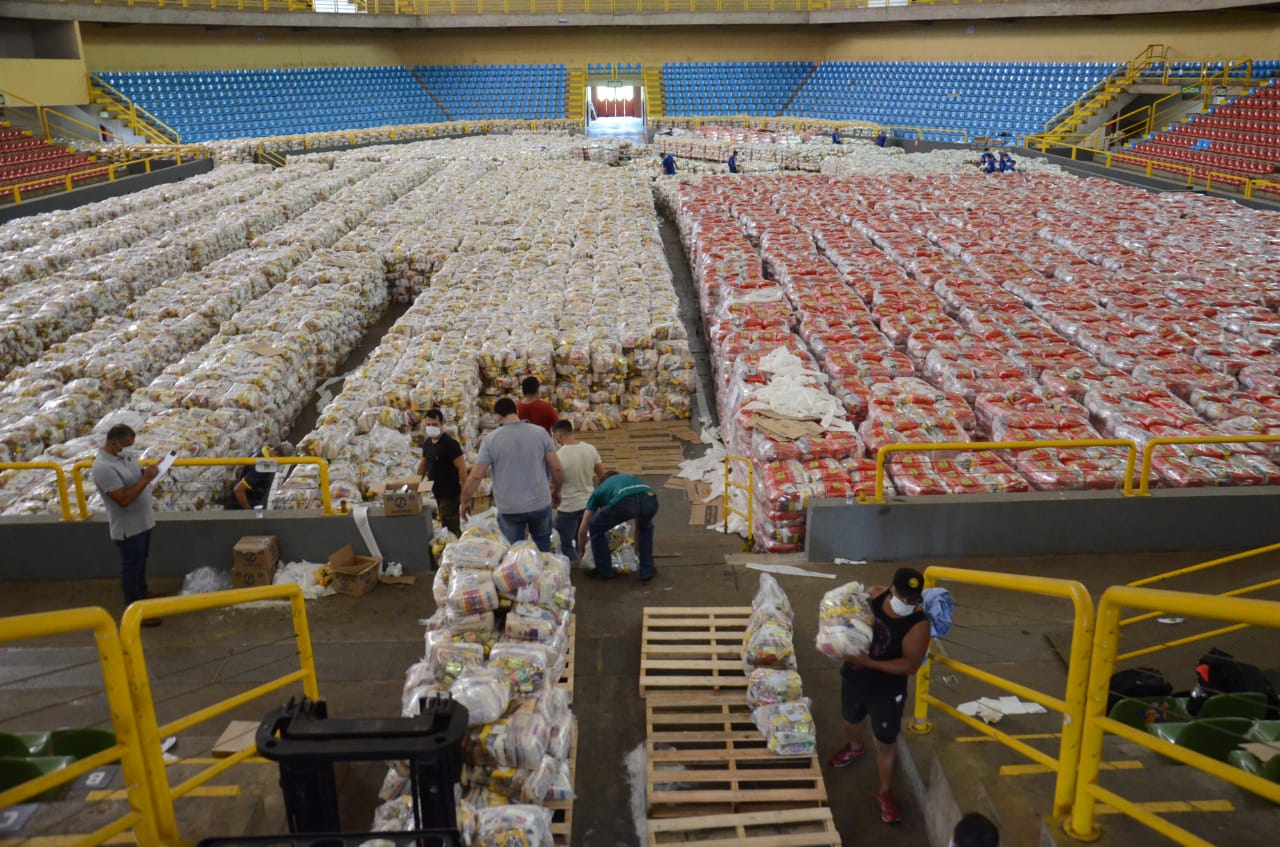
[
  {"x": 900, "y": 608},
  {"x": 431, "y": 431}
]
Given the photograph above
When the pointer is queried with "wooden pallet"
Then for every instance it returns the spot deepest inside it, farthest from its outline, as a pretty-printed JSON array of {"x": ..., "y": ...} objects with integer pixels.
[
  {"x": 562, "y": 810},
  {"x": 794, "y": 828},
  {"x": 693, "y": 648},
  {"x": 644, "y": 448},
  {"x": 566, "y": 678},
  {"x": 706, "y": 757}
]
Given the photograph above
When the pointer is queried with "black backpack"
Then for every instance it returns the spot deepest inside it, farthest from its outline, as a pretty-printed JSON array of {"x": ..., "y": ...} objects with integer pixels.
[
  {"x": 1137, "y": 682},
  {"x": 1218, "y": 672}
]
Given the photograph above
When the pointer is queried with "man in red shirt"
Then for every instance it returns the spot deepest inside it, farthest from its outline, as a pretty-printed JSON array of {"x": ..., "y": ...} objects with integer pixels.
[{"x": 532, "y": 408}]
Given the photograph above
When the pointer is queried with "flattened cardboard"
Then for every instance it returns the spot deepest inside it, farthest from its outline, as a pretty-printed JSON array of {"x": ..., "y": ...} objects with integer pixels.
[
  {"x": 705, "y": 514},
  {"x": 236, "y": 737},
  {"x": 786, "y": 430}
]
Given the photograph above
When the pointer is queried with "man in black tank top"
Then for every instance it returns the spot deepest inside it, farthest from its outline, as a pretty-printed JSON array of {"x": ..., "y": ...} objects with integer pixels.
[{"x": 874, "y": 685}]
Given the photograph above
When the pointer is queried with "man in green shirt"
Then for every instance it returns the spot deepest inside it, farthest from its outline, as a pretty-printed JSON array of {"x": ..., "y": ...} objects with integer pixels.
[{"x": 619, "y": 498}]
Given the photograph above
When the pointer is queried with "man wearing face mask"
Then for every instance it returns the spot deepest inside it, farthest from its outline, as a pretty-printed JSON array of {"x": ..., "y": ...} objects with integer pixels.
[
  {"x": 126, "y": 493},
  {"x": 874, "y": 685},
  {"x": 443, "y": 464}
]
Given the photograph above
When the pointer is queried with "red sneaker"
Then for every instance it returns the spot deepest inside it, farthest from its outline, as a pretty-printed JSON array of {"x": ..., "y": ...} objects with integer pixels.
[
  {"x": 847, "y": 756},
  {"x": 889, "y": 811}
]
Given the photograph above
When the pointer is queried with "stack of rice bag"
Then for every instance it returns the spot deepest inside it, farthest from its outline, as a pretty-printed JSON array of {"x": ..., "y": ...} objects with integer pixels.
[
  {"x": 498, "y": 645},
  {"x": 769, "y": 659}
]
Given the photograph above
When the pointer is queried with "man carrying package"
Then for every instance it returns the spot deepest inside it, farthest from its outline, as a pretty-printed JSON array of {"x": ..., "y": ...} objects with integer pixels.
[
  {"x": 874, "y": 684},
  {"x": 619, "y": 498}
]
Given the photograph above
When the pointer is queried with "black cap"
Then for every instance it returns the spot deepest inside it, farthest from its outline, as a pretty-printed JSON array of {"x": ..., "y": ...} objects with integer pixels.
[{"x": 909, "y": 584}]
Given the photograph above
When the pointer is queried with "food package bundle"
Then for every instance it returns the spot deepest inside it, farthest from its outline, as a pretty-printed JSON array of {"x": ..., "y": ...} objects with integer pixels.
[
  {"x": 504, "y": 664},
  {"x": 845, "y": 622},
  {"x": 767, "y": 641},
  {"x": 788, "y": 727},
  {"x": 772, "y": 685},
  {"x": 513, "y": 825}
]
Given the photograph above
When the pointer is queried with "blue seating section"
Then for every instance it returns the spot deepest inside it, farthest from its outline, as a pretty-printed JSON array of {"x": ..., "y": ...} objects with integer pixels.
[
  {"x": 210, "y": 105},
  {"x": 614, "y": 68},
  {"x": 730, "y": 88},
  {"x": 1262, "y": 69},
  {"x": 982, "y": 98},
  {"x": 498, "y": 92}
]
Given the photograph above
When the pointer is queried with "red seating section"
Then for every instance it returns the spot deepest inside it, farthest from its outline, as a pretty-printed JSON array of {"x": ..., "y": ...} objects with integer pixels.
[
  {"x": 24, "y": 159},
  {"x": 1244, "y": 143}
]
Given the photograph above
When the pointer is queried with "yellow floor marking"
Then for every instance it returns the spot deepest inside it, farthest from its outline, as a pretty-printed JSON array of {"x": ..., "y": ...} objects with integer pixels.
[
  {"x": 200, "y": 791},
  {"x": 1168, "y": 807},
  {"x": 1029, "y": 737},
  {"x": 1029, "y": 769}
]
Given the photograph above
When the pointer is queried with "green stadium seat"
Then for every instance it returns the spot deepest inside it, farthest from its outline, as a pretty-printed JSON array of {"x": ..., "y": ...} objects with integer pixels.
[
  {"x": 80, "y": 743},
  {"x": 14, "y": 772},
  {"x": 1212, "y": 737}
]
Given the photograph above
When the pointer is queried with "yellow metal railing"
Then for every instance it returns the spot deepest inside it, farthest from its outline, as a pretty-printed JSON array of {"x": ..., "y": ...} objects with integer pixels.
[
  {"x": 326, "y": 501},
  {"x": 127, "y": 749},
  {"x": 1149, "y": 448},
  {"x": 139, "y": 119},
  {"x": 882, "y": 455},
  {"x": 60, "y": 476},
  {"x": 748, "y": 488},
  {"x": 1190, "y": 569},
  {"x": 1081, "y": 823},
  {"x": 112, "y": 170},
  {"x": 151, "y": 732},
  {"x": 515, "y": 7},
  {"x": 1070, "y": 704}
]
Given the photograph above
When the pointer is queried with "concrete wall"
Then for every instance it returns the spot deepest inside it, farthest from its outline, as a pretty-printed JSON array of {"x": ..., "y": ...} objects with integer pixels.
[
  {"x": 1043, "y": 524},
  {"x": 182, "y": 542},
  {"x": 164, "y": 47}
]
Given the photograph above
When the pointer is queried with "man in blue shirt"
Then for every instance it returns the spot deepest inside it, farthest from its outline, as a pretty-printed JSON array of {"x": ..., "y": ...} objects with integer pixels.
[
  {"x": 835, "y": 136},
  {"x": 987, "y": 162},
  {"x": 526, "y": 476},
  {"x": 882, "y": 139},
  {"x": 669, "y": 164},
  {"x": 618, "y": 499},
  {"x": 733, "y": 162},
  {"x": 1007, "y": 165}
]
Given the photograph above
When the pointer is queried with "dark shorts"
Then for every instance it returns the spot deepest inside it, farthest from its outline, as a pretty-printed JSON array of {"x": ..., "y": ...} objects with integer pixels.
[{"x": 869, "y": 694}]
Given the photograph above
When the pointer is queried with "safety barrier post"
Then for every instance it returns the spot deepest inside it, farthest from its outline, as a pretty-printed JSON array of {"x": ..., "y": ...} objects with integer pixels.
[
  {"x": 151, "y": 733},
  {"x": 1071, "y": 705},
  {"x": 127, "y": 748},
  {"x": 60, "y": 477},
  {"x": 1082, "y": 824}
]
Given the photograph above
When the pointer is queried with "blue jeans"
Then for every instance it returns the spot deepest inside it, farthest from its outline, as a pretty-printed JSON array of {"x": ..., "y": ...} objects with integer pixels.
[
  {"x": 538, "y": 523},
  {"x": 638, "y": 507},
  {"x": 133, "y": 565},
  {"x": 567, "y": 524}
]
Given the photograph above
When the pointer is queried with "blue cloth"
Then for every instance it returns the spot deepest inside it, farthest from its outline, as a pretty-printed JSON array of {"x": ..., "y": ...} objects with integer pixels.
[
  {"x": 733, "y": 163},
  {"x": 669, "y": 165},
  {"x": 835, "y": 137},
  {"x": 567, "y": 524},
  {"x": 881, "y": 139},
  {"x": 133, "y": 565},
  {"x": 938, "y": 606},
  {"x": 1007, "y": 165},
  {"x": 538, "y": 522}
]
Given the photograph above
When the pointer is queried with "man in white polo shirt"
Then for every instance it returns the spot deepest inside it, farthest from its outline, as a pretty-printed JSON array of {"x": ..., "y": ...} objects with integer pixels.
[{"x": 126, "y": 492}]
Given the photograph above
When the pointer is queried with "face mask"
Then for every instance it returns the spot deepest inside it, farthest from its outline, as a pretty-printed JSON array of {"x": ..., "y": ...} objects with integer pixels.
[
  {"x": 900, "y": 608},
  {"x": 431, "y": 431}
]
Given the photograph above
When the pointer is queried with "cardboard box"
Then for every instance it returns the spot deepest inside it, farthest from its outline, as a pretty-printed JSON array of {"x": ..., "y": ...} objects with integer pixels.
[
  {"x": 353, "y": 575},
  {"x": 397, "y": 503},
  {"x": 254, "y": 561}
]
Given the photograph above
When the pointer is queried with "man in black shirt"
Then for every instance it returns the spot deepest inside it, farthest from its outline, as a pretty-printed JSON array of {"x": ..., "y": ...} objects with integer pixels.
[
  {"x": 253, "y": 486},
  {"x": 442, "y": 463}
]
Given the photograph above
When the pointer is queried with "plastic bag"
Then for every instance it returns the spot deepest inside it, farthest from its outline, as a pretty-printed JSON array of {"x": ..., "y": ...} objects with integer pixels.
[
  {"x": 845, "y": 622},
  {"x": 520, "y": 566},
  {"x": 526, "y": 665},
  {"x": 788, "y": 728},
  {"x": 768, "y": 645},
  {"x": 206, "y": 579},
  {"x": 517, "y": 741},
  {"x": 484, "y": 692},
  {"x": 770, "y": 685},
  {"x": 472, "y": 592},
  {"x": 771, "y": 596},
  {"x": 512, "y": 826},
  {"x": 526, "y": 622},
  {"x": 522, "y": 785},
  {"x": 473, "y": 552}
]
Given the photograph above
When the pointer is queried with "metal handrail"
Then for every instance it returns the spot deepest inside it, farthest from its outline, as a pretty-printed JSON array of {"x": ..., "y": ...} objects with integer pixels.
[
  {"x": 150, "y": 732},
  {"x": 326, "y": 501},
  {"x": 127, "y": 749},
  {"x": 111, "y": 169},
  {"x": 64, "y": 498},
  {"x": 1071, "y": 705},
  {"x": 1081, "y": 824},
  {"x": 134, "y": 108},
  {"x": 877, "y": 495},
  {"x": 729, "y": 509}
]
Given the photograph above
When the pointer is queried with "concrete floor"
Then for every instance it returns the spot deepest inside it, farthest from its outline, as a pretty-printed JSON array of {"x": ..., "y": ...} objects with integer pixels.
[{"x": 363, "y": 647}]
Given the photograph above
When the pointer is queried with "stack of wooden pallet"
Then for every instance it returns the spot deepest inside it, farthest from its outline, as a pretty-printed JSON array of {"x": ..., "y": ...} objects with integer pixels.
[
  {"x": 710, "y": 776},
  {"x": 562, "y": 810},
  {"x": 643, "y": 448}
]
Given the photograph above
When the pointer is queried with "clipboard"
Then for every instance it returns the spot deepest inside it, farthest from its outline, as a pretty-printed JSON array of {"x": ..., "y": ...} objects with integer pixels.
[{"x": 163, "y": 467}]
